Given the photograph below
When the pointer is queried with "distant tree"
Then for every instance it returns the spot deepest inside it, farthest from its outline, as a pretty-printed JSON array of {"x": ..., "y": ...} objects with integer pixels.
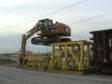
[{"x": 28, "y": 52}]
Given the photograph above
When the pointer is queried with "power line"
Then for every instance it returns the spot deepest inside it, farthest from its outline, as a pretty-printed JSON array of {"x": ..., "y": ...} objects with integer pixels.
[
  {"x": 51, "y": 13},
  {"x": 90, "y": 18},
  {"x": 87, "y": 19}
]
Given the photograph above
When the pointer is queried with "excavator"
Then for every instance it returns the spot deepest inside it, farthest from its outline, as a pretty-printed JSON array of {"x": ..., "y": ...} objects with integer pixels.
[{"x": 47, "y": 33}]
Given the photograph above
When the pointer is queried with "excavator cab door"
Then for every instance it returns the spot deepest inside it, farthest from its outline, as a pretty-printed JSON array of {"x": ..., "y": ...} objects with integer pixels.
[{"x": 48, "y": 23}]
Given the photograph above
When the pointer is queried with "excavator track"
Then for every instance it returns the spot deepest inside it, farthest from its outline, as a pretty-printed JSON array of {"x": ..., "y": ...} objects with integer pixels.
[{"x": 48, "y": 40}]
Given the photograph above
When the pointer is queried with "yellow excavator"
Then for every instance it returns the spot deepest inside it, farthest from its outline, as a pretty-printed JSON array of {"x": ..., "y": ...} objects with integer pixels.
[{"x": 47, "y": 33}]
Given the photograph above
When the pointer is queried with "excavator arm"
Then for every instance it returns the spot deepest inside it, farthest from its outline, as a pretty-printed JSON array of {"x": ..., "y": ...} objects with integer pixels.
[{"x": 28, "y": 34}]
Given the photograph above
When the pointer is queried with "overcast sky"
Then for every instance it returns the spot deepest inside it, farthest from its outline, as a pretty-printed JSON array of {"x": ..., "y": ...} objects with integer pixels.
[{"x": 83, "y": 16}]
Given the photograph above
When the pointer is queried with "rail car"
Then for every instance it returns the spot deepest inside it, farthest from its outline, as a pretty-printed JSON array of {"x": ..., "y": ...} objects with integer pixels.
[{"x": 102, "y": 50}]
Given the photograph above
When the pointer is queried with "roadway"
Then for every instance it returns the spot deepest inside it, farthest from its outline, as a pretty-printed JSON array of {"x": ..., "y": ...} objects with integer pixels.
[{"x": 11, "y": 75}]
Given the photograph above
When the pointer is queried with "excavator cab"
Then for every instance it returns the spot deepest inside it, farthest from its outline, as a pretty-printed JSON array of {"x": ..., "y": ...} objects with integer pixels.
[
  {"x": 45, "y": 23},
  {"x": 44, "y": 26}
]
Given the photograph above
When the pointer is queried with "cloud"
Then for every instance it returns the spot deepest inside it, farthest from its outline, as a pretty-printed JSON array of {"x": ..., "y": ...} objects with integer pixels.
[
  {"x": 11, "y": 3},
  {"x": 11, "y": 19},
  {"x": 17, "y": 11}
]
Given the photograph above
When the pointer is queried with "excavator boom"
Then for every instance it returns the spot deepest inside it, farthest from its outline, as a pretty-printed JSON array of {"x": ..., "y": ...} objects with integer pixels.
[{"x": 25, "y": 37}]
